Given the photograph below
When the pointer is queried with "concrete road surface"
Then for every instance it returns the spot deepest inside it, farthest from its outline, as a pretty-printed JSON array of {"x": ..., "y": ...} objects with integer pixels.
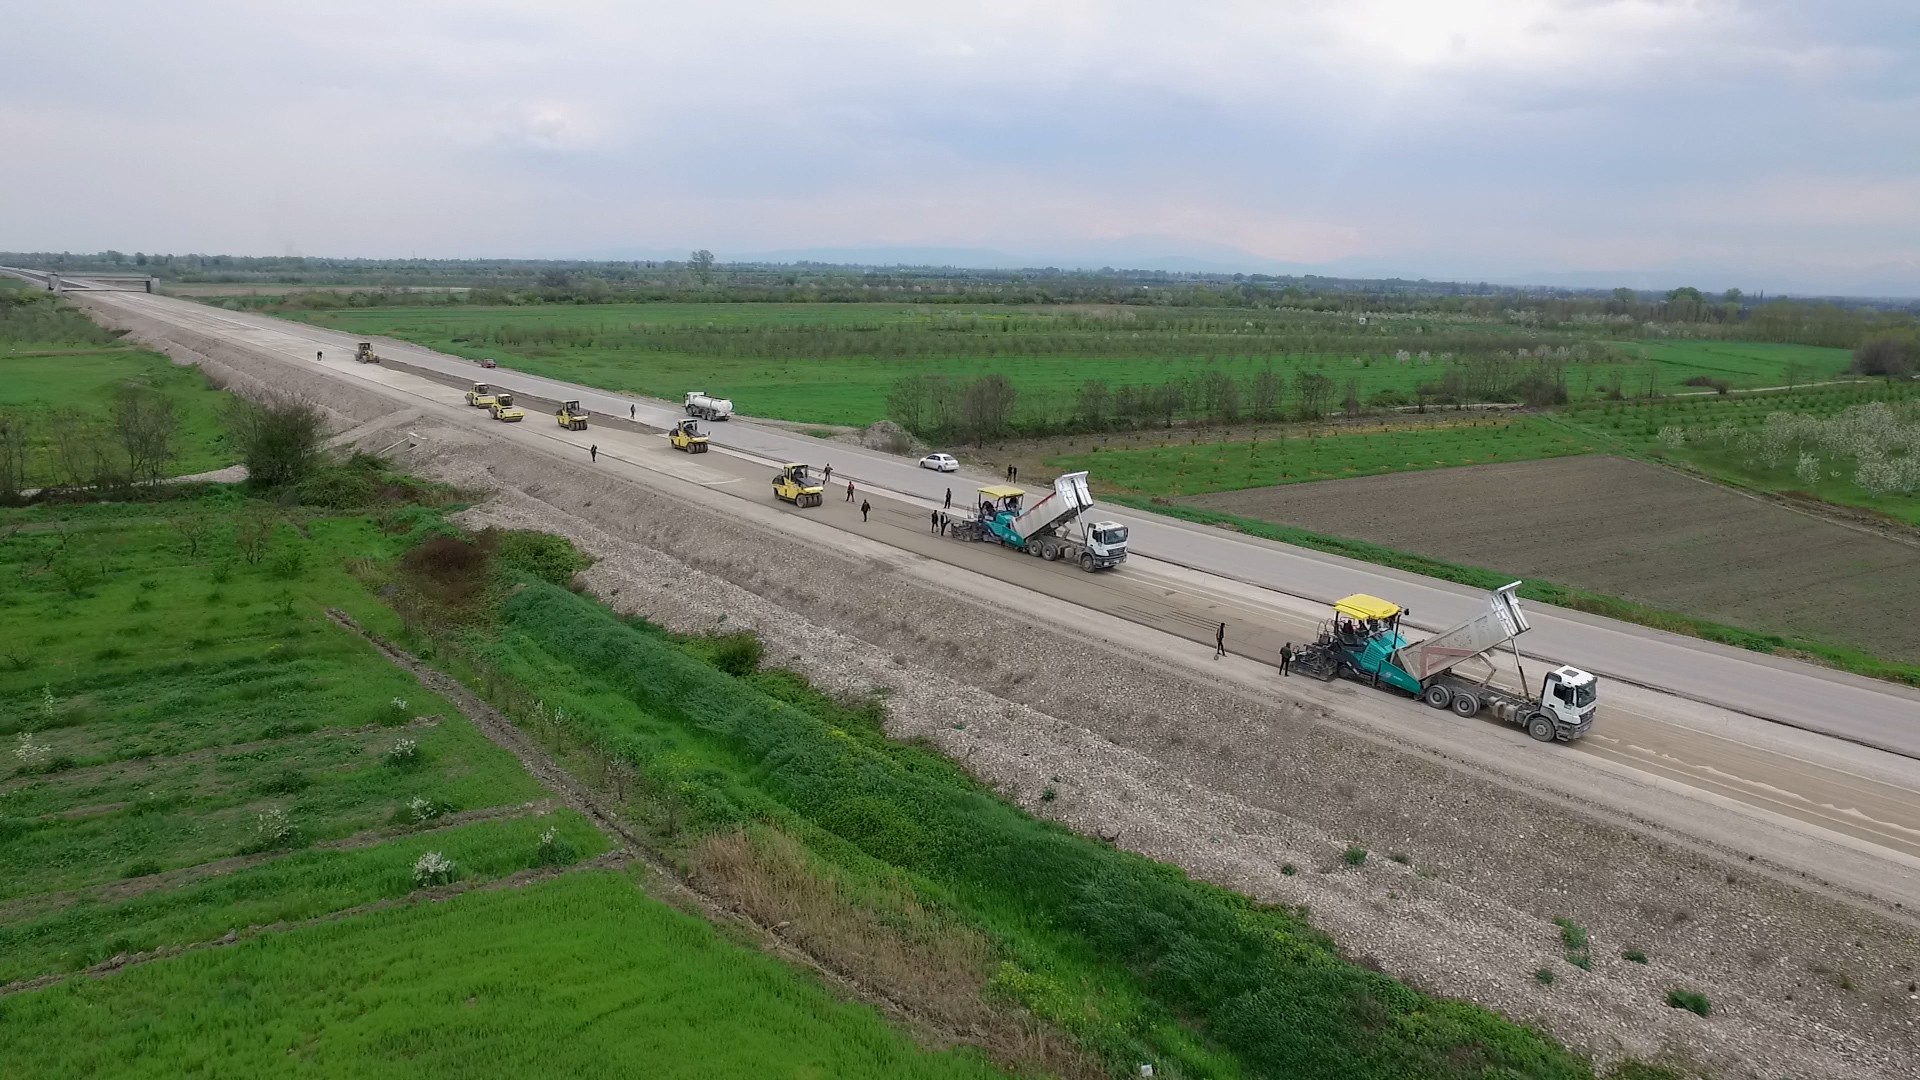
[{"x": 1787, "y": 692}]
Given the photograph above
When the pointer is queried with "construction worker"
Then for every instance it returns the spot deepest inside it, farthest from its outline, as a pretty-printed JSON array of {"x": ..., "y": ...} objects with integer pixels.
[
  {"x": 849, "y": 491},
  {"x": 633, "y": 412},
  {"x": 949, "y": 503},
  {"x": 944, "y": 522},
  {"x": 1286, "y": 658},
  {"x": 864, "y": 507},
  {"x": 1220, "y": 642},
  {"x": 933, "y": 522},
  {"x": 826, "y": 475},
  {"x": 594, "y": 451},
  {"x": 318, "y": 353}
]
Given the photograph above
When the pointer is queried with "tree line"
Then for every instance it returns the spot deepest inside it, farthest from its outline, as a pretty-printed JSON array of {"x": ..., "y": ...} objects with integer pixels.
[{"x": 939, "y": 407}]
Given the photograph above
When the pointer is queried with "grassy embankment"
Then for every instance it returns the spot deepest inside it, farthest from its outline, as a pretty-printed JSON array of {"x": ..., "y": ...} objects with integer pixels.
[
  {"x": 836, "y": 363},
  {"x": 56, "y": 360},
  {"x": 191, "y": 747},
  {"x": 886, "y": 857}
]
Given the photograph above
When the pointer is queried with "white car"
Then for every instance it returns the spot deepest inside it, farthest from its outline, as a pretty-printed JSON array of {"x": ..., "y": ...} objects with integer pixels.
[{"x": 940, "y": 463}]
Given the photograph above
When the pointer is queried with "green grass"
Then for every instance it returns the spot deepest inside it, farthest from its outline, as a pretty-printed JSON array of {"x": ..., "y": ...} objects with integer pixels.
[
  {"x": 593, "y": 979},
  {"x": 1840, "y": 657},
  {"x": 835, "y": 363},
  {"x": 153, "y": 714},
  {"x": 1634, "y": 429},
  {"x": 1296, "y": 458},
  {"x": 1133, "y": 958},
  {"x": 56, "y": 360}
]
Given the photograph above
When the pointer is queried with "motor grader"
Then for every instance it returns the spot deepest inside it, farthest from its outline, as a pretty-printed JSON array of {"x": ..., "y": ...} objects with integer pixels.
[
  {"x": 365, "y": 354},
  {"x": 481, "y": 396},
  {"x": 504, "y": 409},
  {"x": 794, "y": 483},
  {"x": 686, "y": 436},
  {"x": 571, "y": 416}
]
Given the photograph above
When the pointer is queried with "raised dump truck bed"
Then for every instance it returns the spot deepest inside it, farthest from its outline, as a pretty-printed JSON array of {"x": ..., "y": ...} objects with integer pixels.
[{"x": 1363, "y": 642}]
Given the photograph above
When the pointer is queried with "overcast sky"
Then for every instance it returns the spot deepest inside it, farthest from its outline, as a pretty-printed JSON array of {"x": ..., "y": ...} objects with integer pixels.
[{"x": 1759, "y": 144}]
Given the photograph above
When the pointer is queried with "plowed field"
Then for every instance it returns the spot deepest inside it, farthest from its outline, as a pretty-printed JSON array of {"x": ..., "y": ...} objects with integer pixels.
[{"x": 1631, "y": 530}]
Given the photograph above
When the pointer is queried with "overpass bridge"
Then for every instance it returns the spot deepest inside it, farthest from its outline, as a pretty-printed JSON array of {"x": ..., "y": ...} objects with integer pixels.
[{"x": 57, "y": 281}]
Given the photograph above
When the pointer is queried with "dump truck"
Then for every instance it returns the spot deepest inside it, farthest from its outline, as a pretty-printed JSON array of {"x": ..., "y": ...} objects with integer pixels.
[
  {"x": 1362, "y": 641},
  {"x": 503, "y": 407},
  {"x": 686, "y": 436},
  {"x": 702, "y": 406},
  {"x": 481, "y": 396},
  {"x": 365, "y": 354},
  {"x": 1054, "y": 528},
  {"x": 794, "y": 483},
  {"x": 571, "y": 416}
]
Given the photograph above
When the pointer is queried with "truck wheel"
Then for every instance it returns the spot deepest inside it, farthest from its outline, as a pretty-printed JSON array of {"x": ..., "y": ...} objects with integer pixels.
[
  {"x": 1466, "y": 704},
  {"x": 1540, "y": 726},
  {"x": 1438, "y": 696},
  {"x": 1086, "y": 562}
]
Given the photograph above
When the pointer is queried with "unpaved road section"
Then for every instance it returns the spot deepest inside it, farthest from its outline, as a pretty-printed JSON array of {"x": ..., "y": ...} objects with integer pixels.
[
  {"x": 1785, "y": 691},
  {"x": 1626, "y": 528}
]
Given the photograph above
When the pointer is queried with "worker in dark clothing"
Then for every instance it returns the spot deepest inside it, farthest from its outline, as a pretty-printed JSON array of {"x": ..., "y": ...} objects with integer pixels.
[
  {"x": 948, "y": 505},
  {"x": 1014, "y": 474},
  {"x": 318, "y": 353},
  {"x": 849, "y": 491},
  {"x": 633, "y": 412},
  {"x": 1220, "y": 642},
  {"x": 864, "y": 507},
  {"x": 828, "y": 474},
  {"x": 944, "y": 522},
  {"x": 594, "y": 451},
  {"x": 1286, "y": 658},
  {"x": 933, "y": 522}
]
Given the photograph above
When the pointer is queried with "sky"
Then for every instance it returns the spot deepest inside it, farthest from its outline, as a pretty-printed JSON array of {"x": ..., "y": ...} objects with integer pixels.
[{"x": 1724, "y": 143}]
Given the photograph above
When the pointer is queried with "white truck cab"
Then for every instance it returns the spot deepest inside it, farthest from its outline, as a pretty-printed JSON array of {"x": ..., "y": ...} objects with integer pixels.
[{"x": 1570, "y": 694}]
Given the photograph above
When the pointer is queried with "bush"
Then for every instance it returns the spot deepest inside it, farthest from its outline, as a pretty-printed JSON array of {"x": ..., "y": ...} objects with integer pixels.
[
  {"x": 1355, "y": 855},
  {"x": 1544, "y": 976},
  {"x": 337, "y": 488},
  {"x": 1572, "y": 934},
  {"x": 546, "y": 556},
  {"x": 1886, "y": 355},
  {"x": 1634, "y": 956},
  {"x": 1692, "y": 1001},
  {"x": 554, "y": 850},
  {"x": 1388, "y": 399},
  {"x": 279, "y": 439},
  {"x": 289, "y": 564},
  {"x": 432, "y": 869}
]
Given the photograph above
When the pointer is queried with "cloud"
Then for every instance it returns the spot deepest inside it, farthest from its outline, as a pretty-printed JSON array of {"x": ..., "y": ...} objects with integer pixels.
[{"x": 1497, "y": 136}]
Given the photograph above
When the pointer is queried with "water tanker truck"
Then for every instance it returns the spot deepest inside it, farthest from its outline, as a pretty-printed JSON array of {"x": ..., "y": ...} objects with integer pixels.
[
  {"x": 1363, "y": 642},
  {"x": 702, "y": 406},
  {"x": 1054, "y": 528}
]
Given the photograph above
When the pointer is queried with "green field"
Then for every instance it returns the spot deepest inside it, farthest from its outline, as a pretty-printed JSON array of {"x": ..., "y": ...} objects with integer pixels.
[
  {"x": 193, "y": 746},
  {"x": 54, "y": 362},
  {"x": 580, "y": 976},
  {"x": 1714, "y": 442},
  {"x": 1295, "y": 457},
  {"x": 836, "y": 363}
]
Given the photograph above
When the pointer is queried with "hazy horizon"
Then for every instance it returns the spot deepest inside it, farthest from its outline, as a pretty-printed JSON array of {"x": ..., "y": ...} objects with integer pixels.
[{"x": 1720, "y": 143}]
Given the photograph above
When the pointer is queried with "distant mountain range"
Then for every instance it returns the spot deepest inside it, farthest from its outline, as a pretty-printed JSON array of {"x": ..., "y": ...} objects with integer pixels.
[{"x": 1173, "y": 256}]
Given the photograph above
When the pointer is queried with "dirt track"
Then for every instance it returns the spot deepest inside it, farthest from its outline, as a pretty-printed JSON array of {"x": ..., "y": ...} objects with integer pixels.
[
  {"x": 1627, "y": 529},
  {"x": 1175, "y": 764}
]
